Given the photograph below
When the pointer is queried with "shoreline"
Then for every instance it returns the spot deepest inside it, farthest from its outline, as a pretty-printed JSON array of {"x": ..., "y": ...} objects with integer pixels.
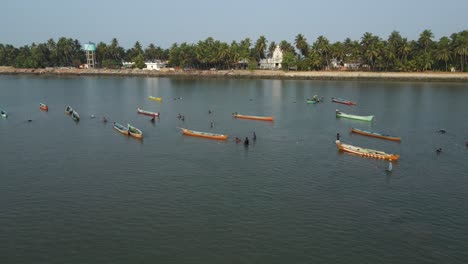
[{"x": 247, "y": 74}]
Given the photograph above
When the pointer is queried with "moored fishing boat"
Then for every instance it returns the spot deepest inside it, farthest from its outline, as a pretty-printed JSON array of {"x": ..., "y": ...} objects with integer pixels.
[
  {"x": 251, "y": 117},
  {"x": 159, "y": 99},
  {"x": 342, "y": 101},
  {"x": 375, "y": 134},
  {"x": 68, "y": 110},
  {"x": 43, "y": 107},
  {"x": 3, "y": 113},
  {"x": 148, "y": 113},
  {"x": 356, "y": 117},
  {"x": 194, "y": 133},
  {"x": 134, "y": 132},
  {"x": 312, "y": 101},
  {"x": 75, "y": 116},
  {"x": 370, "y": 153},
  {"x": 120, "y": 128}
]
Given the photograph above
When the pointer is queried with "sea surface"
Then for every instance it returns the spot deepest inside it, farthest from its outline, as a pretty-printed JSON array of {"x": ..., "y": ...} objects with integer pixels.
[{"x": 84, "y": 193}]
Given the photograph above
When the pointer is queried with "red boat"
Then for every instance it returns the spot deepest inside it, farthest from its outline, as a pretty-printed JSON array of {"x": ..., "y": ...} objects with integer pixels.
[
  {"x": 148, "y": 113},
  {"x": 43, "y": 107},
  {"x": 342, "y": 101}
]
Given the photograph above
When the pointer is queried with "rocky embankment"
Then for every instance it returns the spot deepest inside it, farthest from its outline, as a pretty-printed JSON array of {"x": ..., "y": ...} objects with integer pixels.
[{"x": 246, "y": 74}]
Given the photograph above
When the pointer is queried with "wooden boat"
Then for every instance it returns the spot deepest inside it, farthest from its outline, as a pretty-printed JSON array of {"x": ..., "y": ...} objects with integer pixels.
[
  {"x": 134, "y": 132},
  {"x": 159, "y": 99},
  {"x": 3, "y": 113},
  {"x": 193, "y": 133},
  {"x": 120, "y": 128},
  {"x": 356, "y": 117},
  {"x": 75, "y": 116},
  {"x": 312, "y": 101},
  {"x": 374, "y": 134},
  {"x": 370, "y": 153},
  {"x": 148, "y": 113},
  {"x": 68, "y": 110},
  {"x": 342, "y": 101},
  {"x": 261, "y": 118},
  {"x": 43, "y": 107}
]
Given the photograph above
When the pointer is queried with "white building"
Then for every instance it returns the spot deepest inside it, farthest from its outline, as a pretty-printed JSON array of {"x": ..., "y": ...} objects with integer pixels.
[
  {"x": 156, "y": 65},
  {"x": 273, "y": 63}
]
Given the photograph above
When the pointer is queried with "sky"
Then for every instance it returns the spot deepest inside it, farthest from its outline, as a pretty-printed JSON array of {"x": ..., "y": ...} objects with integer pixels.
[{"x": 175, "y": 21}]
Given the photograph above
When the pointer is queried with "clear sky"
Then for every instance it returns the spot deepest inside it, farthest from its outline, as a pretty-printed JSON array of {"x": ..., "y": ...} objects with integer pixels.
[{"x": 169, "y": 21}]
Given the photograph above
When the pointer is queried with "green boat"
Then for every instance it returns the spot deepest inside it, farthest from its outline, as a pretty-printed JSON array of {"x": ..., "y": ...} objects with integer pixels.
[
  {"x": 311, "y": 101},
  {"x": 356, "y": 117},
  {"x": 3, "y": 113}
]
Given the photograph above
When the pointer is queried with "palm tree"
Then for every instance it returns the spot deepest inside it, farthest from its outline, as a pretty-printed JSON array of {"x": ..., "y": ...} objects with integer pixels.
[
  {"x": 425, "y": 39},
  {"x": 301, "y": 45},
  {"x": 271, "y": 49},
  {"x": 260, "y": 47},
  {"x": 443, "y": 51},
  {"x": 322, "y": 47}
]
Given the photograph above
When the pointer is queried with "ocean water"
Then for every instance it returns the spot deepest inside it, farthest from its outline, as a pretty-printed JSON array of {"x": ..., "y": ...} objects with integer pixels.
[{"x": 84, "y": 193}]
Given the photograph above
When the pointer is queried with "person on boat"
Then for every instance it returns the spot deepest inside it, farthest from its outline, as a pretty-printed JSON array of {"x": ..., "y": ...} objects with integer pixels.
[
  {"x": 237, "y": 140},
  {"x": 338, "y": 136},
  {"x": 254, "y": 136},
  {"x": 153, "y": 119},
  {"x": 315, "y": 98},
  {"x": 337, "y": 111},
  {"x": 442, "y": 131},
  {"x": 246, "y": 141}
]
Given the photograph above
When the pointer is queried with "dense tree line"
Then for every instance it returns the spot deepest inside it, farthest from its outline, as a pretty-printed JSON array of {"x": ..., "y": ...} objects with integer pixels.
[{"x": 371, "y": 52}]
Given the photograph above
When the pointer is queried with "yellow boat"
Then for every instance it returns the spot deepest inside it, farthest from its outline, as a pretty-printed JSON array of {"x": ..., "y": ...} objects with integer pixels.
[
  {"x": 370, "y": 153},
  {"x": 158, "y": 99}
]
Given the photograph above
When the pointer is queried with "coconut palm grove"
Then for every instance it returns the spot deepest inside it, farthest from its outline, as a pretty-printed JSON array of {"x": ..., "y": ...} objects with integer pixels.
[{"x": 371, "y": 53}]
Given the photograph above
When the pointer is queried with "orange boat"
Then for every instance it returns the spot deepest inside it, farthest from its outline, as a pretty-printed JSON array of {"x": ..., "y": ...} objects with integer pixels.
[
  {"x": 370, "y": 153},
  {"x": 43, "y": 107},
  {"x": 262, "y": 118},
  {"x": 193, "y": 133},
  {"x": 374, "y": 134}
]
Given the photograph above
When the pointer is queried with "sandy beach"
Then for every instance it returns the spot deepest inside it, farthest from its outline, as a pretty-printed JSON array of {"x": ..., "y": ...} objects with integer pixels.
[{"x": 246, "y": 74}]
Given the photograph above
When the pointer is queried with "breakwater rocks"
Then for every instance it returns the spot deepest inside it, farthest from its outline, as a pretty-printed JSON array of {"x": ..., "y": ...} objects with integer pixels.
[{"x": 246, "y": 74}]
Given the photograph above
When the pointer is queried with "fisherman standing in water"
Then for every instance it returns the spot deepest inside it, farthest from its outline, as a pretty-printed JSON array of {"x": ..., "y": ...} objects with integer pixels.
[{"x": 246, "y": 141}]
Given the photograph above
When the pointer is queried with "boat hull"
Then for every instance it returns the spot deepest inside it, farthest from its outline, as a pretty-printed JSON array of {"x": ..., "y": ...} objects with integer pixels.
[
  {"x": 342, "y": 101},
  {"x": 158, "y": 99},
  {"x": 43, "y": 107},
  {"x": 75, "y": 116},
  {"x": 369, "y": 153},
  {"x": 68, "y": 110},
  {"x": 193, "y": 133},
  {"x": 374, "y": 134},
  {"x": 148, "y": 113},
  {"x": 260, "y": 118},
  {"x": 120, "y": 128},
  {"x": 355, "y": 117},
  {"x": 134, "y": 132}
]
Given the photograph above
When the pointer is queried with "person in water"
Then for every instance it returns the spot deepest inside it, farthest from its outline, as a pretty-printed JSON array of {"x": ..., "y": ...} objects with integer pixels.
[
  {"x": 246, "y": 141},
  {"x": 237, "y": 140},
  {"x": 439, "y": 150},
  {"x": 153, "y": 119},
  {"x": 254, "y": 136},
  {"x": 104, "y": 119}
]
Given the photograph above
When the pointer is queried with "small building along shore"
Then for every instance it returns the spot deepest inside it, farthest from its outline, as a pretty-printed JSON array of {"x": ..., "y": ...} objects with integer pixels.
[{"x": 274, "y": 62}]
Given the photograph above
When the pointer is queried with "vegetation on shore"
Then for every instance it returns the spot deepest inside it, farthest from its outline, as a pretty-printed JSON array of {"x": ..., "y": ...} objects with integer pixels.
[{"x": 395, "y": 54}]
